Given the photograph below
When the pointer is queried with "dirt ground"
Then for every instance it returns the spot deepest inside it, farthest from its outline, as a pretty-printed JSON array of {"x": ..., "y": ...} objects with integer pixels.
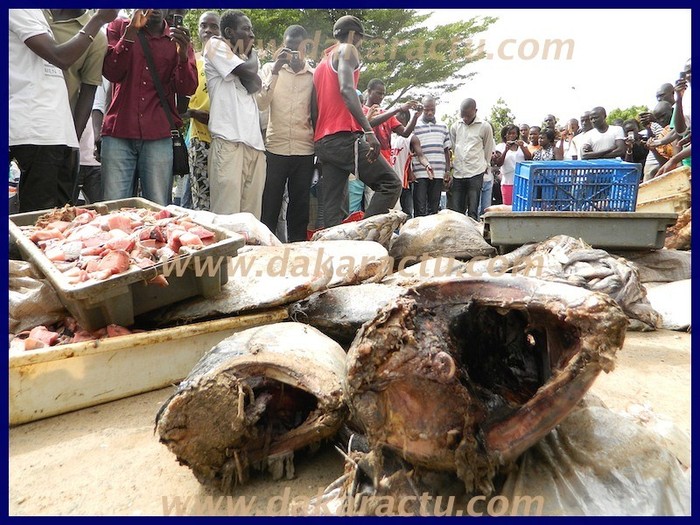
[{"x": 106, "y": 460}]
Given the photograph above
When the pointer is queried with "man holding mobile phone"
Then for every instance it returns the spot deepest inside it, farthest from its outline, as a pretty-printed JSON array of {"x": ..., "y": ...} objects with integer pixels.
[
  {"x": 287, "y": 88},
  {"x": 136, "y": 130}
]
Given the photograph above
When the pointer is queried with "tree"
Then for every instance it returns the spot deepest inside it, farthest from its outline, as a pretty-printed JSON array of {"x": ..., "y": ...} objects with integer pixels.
[
  {"x": 406, "y": 55},
  {"x": 450, "y": 119},
  {"x": 500, "y": 116},
  {"x": 631, "y": 112}
]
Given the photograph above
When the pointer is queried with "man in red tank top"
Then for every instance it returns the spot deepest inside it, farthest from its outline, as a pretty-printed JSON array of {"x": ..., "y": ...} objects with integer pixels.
[{"x": 344, "y": 140}]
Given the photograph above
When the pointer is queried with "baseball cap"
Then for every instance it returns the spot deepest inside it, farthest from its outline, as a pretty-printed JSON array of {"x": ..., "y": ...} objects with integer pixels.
[{"x": 348, "y": 23}]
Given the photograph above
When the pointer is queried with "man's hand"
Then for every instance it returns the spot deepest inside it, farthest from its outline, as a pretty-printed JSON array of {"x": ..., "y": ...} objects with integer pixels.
[
  {"x": 200, "y": 116},
  {"x": 373, "y": 110},
  {"x": 374, "y": 150},
  {"x": 669, "y": 166},
  {"x": 431, "y": 172},
  {"x": 181, "y": 37},
  {"x": 413, "y": 104},
  {"x": 645, "y": 119},
  {"x": 139, "y": 18},
  {"x": 106, "y": 15},
  {"x": 284, "y": 55},
  {"x": 447, "y": 181},
  {"x": 680, "y": 87}
]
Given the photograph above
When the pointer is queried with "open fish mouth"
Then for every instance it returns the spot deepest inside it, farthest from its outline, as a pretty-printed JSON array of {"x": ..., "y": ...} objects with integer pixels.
[
  {"x": 464, "y": 375},
  {"x": 252, "y": 401}
]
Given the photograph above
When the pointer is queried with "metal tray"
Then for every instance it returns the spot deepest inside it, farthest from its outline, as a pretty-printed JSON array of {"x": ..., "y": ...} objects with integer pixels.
[
  {"x": 59, "y": 379},
  {"x": 606, "y": 230},
  {"x": 118, "y": 299}
]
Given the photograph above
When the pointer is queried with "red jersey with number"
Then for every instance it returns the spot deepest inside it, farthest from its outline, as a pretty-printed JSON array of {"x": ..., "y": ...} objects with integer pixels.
[{"x": 333, "y": 114}]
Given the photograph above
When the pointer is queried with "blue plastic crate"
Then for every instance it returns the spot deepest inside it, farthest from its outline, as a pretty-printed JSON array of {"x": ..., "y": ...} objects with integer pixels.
[{"x": 576, "y": 185}]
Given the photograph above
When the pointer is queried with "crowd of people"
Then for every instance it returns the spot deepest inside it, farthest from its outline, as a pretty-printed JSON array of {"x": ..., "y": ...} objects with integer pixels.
[{"x": 90, "y": 118}]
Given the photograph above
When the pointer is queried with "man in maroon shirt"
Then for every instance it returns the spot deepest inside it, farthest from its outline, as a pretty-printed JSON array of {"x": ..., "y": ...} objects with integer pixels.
[
  {"x": 135, "y": 131},
  {"x": 343, "y": 138}
]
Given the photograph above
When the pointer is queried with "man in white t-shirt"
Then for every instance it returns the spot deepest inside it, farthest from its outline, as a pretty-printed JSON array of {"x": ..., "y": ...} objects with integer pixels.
[
  {"x": 42, "y": 134},
  {"x": 603, "y": 141},
  {"x": 237, "y": 156}
]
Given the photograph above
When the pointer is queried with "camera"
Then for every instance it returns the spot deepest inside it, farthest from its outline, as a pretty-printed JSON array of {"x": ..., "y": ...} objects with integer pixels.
[
  {"x": 177, "y": 21},
  {"x": 295, "y": 55}
]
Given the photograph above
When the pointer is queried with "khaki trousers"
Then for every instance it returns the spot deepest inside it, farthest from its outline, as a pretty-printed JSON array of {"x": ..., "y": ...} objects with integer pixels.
[{"x": 236, "y": 177}]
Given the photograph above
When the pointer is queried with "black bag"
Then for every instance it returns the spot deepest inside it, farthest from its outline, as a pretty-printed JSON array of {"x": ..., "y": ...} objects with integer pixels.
[{"x": 181, "y": 160}]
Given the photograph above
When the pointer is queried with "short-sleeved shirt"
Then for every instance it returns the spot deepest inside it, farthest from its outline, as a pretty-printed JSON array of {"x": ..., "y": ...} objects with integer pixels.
[
  {"x": 401, "y": 156},
  {"x": 383, "y": 132},
  {"x": 39, "y": 112},
  {"x": 233, "y": 112},
  {"x": 88, "y": 68},
  {"x": 544, "y": 153},
  {"x": 200, "y": 102},
  {"x": 604, "y": 141},
  {"x": 434, "y": 138}
]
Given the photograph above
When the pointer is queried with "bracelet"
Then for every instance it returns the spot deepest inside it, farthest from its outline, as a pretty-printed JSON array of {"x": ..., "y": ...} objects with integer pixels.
[
  {"x": 371, "y": 132},
  {"x": 82, "y": 32},
  {"x": 127, "y": 40}
]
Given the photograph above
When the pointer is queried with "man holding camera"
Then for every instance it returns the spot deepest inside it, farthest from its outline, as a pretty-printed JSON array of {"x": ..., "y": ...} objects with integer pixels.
[
  {"x": 287, "y": 88},
  {"x": 136, "y": 133}
]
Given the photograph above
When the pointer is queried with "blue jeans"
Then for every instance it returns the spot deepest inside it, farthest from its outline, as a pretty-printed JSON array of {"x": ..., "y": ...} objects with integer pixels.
[
  {"x": 426, "y": 196},
  {"x": 153, "y": 159},
  {"x": 486, "y": 192},
  {"x": 465, "y": 195}
]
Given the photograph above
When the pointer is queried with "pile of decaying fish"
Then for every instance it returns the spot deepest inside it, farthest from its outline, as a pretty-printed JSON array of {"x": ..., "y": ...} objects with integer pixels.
[
  {"x": 445, "y": 369},
  {"x": 450, "y": 374},
  {"x": 86, "y": 246}
]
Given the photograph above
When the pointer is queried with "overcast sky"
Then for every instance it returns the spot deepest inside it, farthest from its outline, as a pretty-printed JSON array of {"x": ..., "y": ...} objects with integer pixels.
[{"x": 610, "y": 64}]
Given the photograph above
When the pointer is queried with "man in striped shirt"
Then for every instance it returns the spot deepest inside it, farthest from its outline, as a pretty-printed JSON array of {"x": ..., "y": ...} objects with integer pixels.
[{"x": 435, "y": 142}]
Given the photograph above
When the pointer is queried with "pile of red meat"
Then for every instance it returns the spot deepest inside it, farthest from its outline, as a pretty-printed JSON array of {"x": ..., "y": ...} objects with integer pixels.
[
  {"x": 68, "y": 331},
  {"x": 86, "y": 246}
]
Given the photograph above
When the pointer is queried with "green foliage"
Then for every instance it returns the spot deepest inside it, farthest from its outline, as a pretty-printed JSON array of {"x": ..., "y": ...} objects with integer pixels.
[
  {"x": 631, "y": 112},
  {"x": 413, "y": 61},
  {"x": 450, "y": 119},
  {"x": 500, "y": 116}
]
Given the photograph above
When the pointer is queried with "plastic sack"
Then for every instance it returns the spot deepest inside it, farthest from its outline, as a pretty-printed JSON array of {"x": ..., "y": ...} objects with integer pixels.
[
  {"x": 598, "y": 463},
  {"x": 673, "y": 302},
  {"x": 660, "y": 265},
  {"x": 245, "y": 224},
  {"x": 33, "y": 301}
]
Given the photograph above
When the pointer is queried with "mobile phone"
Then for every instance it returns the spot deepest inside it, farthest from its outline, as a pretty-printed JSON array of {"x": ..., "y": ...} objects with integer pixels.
[
  {"x": 682, "y": 75},
  {"x": 630, "y": 135},
  {"x": 295, "y": 55},
  {"x": 177, "y": 21}
]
